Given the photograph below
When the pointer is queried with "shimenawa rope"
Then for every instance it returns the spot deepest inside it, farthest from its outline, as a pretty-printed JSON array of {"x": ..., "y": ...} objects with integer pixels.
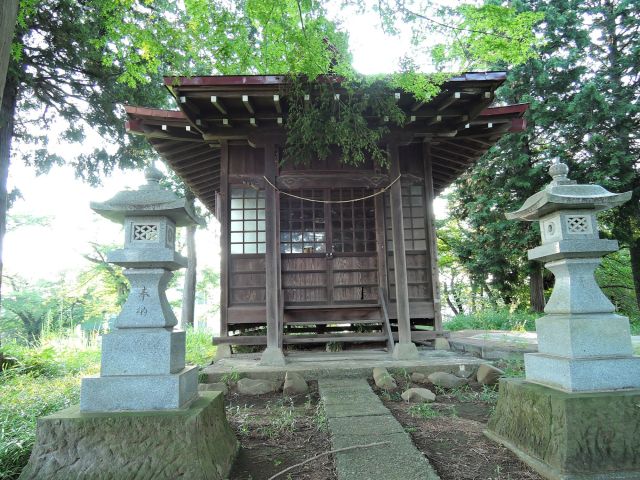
[{"x": 331, "y": 201}]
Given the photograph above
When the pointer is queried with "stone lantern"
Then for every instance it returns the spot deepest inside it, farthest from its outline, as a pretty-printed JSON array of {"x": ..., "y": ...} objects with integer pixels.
[
  {"x": 575, "y": 415},
  {"x": 143, "y": 416},
  {"x": 582, "y": 344},
  {"x": 143, "y": 359}
]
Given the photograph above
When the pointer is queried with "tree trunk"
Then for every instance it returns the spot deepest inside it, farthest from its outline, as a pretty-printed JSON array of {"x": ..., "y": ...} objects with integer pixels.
[
  {"x": 536, "y": 287},
  {"x": 189, "y": 290},
  {"x": 7, "y": 112},
  {"x": 8, "y": 14},
  {"x": 634, "y": 252},
  {"x": 448, "y": 298}
]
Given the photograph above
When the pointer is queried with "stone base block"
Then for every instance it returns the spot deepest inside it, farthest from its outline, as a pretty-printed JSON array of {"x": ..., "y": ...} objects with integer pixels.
[
  {"x": 405, "y": 351},
  {"x": 583, "y": 374},
  {"x": 139, "y": 392},
  {"x": 569, "y": 436},
  {"x": 143, "y": 351},
  {"x": 195, "y": 443},
  {"x": 273, "y": 357},
  {"x": 584, "y": 335}
]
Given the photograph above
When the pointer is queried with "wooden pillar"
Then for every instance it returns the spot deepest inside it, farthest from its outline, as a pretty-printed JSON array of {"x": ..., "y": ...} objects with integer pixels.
[
  {"x": 273, "y": 353},
  {"x": 404, "y": 349},
  {"x": 381, "y": 246},
  {"x": 432, "y": 238},
  {"x": 223, "y": 217}
]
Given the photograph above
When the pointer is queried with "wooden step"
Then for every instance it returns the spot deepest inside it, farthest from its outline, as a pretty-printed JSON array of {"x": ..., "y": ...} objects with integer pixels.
[
  {"x": 240, "y": 340},
  {"x": 334, "y": 337},
  {"x": 335, "y": 322},
  {"x": 331, "y": 307}
]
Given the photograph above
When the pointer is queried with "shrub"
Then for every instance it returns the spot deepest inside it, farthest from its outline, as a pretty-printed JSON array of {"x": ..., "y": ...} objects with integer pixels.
[
  {"x": 45, "y": 379},
  {"x": 24, "y": 399},
  {"x": 200, "y": 350},
  {"x": 493, "y": 320}
]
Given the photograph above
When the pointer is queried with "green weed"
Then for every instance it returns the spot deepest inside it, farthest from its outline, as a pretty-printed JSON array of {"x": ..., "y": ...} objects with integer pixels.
[
  {"x": 320, "y": 418},
  {"x": 200, "y": 351},
  {"x": 424, "y": 410},
  {"x": 231, "y": 378},
  {"x": 282, "y": 419},
  {"x": 512, "y": 368}
]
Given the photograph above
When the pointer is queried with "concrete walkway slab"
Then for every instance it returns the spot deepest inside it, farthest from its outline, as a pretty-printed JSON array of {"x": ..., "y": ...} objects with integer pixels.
[
  {"x": 499, "y": 344},
  {"x": 356, "y": 416}
]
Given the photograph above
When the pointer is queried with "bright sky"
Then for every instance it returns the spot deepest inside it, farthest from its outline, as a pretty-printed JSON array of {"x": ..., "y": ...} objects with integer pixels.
[{"x": 48, "y": 252}]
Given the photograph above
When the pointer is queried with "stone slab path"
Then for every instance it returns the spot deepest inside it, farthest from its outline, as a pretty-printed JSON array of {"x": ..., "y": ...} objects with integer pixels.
[{"x": 356, "y": 416}]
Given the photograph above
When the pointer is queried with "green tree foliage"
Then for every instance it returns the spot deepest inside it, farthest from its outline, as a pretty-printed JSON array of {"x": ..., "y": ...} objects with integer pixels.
[
  {"x": 104, "y": 281},
  {"x": 28, "y": 309},
  {"x": 616, "y": 279},
  {"x": 583, "y": 95}
]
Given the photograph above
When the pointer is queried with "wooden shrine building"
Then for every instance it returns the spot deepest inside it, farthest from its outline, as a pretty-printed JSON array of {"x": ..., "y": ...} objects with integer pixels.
[{"x": 325, "y": 252}]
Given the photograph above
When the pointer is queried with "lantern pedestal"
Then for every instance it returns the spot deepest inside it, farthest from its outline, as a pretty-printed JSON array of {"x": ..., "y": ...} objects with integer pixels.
[
  {"x": 195, "y": 443},
  {"x": 569, "y": 436}
]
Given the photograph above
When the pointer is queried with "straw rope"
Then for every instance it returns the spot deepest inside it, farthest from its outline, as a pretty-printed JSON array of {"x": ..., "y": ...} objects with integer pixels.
[{"x": 353, "y": 200}]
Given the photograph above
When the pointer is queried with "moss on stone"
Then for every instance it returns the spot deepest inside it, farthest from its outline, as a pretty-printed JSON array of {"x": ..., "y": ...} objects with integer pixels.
[
  {"x": 195, "y": 443},
  {"x": 572, "y": 433}
]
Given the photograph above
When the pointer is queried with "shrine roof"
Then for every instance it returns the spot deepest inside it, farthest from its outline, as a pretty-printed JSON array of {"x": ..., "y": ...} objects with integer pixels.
[{"x": 459, "y": 123}]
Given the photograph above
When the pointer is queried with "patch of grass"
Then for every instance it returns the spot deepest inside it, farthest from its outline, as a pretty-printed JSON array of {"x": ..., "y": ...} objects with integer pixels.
[
  {"x": 282, "y": 419},
  {"x": 466, "y": 394},
  {"x": 45, "y": 379},
  {"x": 242, "y": 417},
  {"x": 200, "y": 351},
  {"x": 391, "y": 396},
  {"x": 24, "y": 399},
  {"x": 513, "y": 368},
  {"x": 494, "y": 320},
  {"x": 424, "y": 410},
  {"x": 231, "y": 378},
  {"x": 320, "y": 418}
]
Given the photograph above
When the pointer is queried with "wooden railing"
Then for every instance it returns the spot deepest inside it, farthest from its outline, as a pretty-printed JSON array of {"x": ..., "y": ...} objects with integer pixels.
[{"x": 385, "y": 318}]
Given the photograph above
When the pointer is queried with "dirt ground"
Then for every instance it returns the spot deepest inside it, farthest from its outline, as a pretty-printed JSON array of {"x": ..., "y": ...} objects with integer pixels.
[
  {"x": 449, "y": 433},
  {"x": 276, "y": 433}
]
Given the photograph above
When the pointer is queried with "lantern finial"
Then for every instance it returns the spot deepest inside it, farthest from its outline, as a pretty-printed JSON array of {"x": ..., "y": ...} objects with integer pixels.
[{"x": 559, "y": 172}]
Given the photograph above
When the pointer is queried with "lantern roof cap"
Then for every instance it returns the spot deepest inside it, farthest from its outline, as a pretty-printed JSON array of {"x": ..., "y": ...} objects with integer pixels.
[
  {"x": 565, "y": 194},
  {"x": 149, "y": 199}
]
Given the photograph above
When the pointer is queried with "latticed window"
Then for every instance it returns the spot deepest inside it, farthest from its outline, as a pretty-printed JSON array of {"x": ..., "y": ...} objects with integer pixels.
[
  {"x": 145, "y": 232},
  {"x": 413, "y": 215},
  {"x": 302, "y": 223},
  {"x": 578, "y": 224},
  {"x": 353, "y": 224},
  {"x": 247, "y": 221}
]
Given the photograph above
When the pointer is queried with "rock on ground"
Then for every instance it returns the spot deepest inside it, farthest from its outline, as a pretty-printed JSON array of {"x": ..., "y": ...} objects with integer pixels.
[
  {"x": 217, "y": 387},
  {"x": 441, "y": 344},
  {"x": 488, "y": 374},
  {"x": 250, "y": 386},
  {"x": 419, "y": 395},
  {"x": 464, "y": 371},
  {"x": 447, "y": 380},
  {"x": 384, "y": 379},
  {"x": 294, "y": 384},
  {"x": 418, "y": 377}
]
